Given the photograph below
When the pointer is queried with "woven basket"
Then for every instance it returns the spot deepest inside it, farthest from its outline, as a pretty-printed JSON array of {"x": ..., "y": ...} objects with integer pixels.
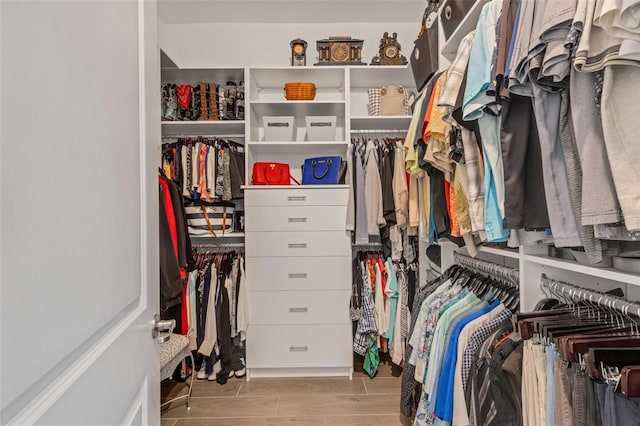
[{"x": 299, "y": 91}]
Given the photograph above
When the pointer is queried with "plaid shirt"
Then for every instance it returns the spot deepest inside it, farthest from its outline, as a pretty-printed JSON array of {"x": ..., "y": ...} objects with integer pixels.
[
  {"x": 366, "y": 326},
  {"x": 477, "y": 339}
]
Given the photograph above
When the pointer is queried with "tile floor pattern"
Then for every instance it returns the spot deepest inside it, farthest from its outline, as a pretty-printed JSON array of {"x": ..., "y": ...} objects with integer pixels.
[{"x": 296, "y": 401}]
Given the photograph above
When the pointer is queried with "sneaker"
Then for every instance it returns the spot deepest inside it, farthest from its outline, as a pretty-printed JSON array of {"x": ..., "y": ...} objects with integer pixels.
[
  {"x": 242, "y": 371},
  {"x": 202, "y": 374}
]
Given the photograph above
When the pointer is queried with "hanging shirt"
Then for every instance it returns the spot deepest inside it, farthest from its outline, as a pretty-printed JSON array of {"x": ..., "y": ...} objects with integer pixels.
[
  {"x": 361, "y": 218},
  {"x": 373, "y": 191},
  {"x": 350, "y": 223},
  {"x": 392, "y": 298}
]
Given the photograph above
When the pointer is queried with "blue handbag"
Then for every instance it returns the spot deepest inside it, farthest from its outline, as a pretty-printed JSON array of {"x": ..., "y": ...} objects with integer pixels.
[{"x": 321, "y": 171}]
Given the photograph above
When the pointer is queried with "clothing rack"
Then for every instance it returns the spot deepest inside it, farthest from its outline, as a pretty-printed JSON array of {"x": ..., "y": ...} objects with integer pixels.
[
  {"x": 509, "y": 275},
  {"x": 593, "y": 297},
  {"x": 220, "y": 247}
]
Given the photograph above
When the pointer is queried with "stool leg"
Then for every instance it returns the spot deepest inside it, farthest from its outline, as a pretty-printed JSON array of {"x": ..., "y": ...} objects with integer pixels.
[{"x": 193, "y": 373}]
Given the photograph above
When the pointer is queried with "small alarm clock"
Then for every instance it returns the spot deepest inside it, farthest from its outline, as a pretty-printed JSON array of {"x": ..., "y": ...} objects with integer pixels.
[{"x": 298, "y": 53}]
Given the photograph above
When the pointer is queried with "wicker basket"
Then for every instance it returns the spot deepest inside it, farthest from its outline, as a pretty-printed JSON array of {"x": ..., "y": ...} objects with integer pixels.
[{"x": 299, "y": 91}]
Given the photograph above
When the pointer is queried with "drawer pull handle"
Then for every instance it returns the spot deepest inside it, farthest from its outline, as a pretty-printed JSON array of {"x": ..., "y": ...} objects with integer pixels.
[
  {"x": 302, "y": 275},
  {"x": 298, "y": 245},
  {"x": 297, "y": 198},
  {"x": 297, "y": 219},
  {"x": 298, "y": 310},
  {"x": 298, "y": 348}
]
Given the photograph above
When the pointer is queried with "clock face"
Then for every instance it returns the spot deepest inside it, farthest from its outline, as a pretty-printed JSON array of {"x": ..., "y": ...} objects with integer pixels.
[
  {"x": 391, "y": 51},
  {"x": 298, "y": 49},
  {"x": 340, "y": 52}
]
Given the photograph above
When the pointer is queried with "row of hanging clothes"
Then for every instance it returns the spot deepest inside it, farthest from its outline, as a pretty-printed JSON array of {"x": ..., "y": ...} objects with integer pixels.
[
  {"x": 580, "y": 358},
  {"x": 382, "y": 291},
  {"x": 176, "y": 258},
  {"x": 456, "y": 320},
  {"x": 380, "y": 196},
  {"x": 217, "y": 313},
  {"x": 207, "y": 169}
]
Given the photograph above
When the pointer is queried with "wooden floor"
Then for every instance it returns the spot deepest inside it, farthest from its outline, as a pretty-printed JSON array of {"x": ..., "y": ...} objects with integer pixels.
[{"x": 299, "y": 401}]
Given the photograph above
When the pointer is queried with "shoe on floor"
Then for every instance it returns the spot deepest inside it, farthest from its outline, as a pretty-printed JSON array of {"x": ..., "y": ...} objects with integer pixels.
[{"x": 202, "y": 373}]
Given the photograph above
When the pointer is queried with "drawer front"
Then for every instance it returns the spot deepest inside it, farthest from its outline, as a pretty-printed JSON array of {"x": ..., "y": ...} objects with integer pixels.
[
  {"x": 289, "y": 346},
  {"x": 296, "y": 218},
  {"x": 296, "y": 197},
  {"x": 295, "y": 273},
  {"x": 299, "y": 307},
  {"x": 269, "y": 244}
]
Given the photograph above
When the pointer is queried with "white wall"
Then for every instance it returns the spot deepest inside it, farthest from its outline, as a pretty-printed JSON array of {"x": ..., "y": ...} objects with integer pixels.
[{"x": 267, "y": 45}]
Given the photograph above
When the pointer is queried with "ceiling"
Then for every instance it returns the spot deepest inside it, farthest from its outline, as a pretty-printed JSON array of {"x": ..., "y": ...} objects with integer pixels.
[{"x": 289, "y": 11}]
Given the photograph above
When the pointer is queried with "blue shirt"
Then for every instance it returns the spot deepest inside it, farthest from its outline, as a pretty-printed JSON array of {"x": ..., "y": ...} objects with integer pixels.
[{"x": 444, "y": 397}]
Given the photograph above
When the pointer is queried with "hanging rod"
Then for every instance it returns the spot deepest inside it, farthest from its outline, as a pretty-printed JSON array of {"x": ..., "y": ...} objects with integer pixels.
[
  {"x": 510, "y": 275},
  {"x": 374, "y": 131},
  {"x": 367, "y": 246},
  {"x": 221, "y": 245},
  {"x": 574, "y": 292}
]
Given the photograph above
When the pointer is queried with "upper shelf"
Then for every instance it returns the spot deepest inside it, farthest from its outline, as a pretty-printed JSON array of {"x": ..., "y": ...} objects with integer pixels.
[
  {"x": 299, "y": 108},
  {"x": 468, "y": 24},
  {"x": 367, "y": 122},
  {"x": 326, "y": 77},
  {"x": 220, "y": 127},
  {"x": 573, "y": 266},
  {"x": 310, "y": 148},
  {"x": 382, "y": 75},
  {"x": 201, "y": 75}
]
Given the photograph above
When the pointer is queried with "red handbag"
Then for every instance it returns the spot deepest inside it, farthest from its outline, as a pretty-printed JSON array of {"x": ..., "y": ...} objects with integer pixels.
[{"x": 271, "y": 174}]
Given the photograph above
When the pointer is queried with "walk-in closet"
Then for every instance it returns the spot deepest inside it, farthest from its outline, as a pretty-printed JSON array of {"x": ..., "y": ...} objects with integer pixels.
[{"x": 308, "y": 212}]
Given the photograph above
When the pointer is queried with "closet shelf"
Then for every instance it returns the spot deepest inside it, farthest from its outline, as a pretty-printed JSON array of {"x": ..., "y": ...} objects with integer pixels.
[
  {"x": 276, "y": 77},
  {"x": 573, "y": 266},
  {"x": 468, "y": 24},
  {"x": 367, "y": 122},
  {"x": 309, "y": 148},
  {"x": 298, "y": 108},
  {"x": 218, "y": 76},
  {"x": 221, "y": 127},
  {"x": 298, "y": 187},
  {"x": 513, "y": 254},
  {"x": 384, "y": 75}
]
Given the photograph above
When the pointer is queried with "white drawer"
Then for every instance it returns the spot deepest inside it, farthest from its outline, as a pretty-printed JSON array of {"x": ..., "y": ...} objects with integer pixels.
[
  {"x": 296, "y": 218},
  {"x": 268, "y": 244},
  {"x": 296, "y": 197},
  {"x": 299, "y": 307},
  {"x": 283, "y": 346},
  {"x": 295, "y": 273}
]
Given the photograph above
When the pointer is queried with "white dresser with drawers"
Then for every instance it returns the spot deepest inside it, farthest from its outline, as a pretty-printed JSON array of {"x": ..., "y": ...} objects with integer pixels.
[{"x": 298, "y": 269}]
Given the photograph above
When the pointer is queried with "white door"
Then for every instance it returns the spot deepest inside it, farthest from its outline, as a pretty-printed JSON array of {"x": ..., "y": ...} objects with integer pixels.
[{"x": 79, "y": 148}]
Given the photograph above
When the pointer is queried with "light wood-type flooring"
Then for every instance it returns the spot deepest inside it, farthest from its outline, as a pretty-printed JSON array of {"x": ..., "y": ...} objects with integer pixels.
[{"x": 293, "y": 401}]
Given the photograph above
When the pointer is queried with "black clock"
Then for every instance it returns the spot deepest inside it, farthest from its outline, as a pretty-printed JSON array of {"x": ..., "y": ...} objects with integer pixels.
[{"x": 341, "y": 50}]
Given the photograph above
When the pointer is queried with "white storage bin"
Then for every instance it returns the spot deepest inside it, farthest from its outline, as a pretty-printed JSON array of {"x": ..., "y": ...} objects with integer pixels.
[
  {"x": 278, "y": 128},
  {"x": 321, "y": 128}
]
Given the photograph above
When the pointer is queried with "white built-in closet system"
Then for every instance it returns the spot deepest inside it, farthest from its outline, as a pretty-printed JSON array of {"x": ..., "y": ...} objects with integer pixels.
[{"x": 249, "y": 41}]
